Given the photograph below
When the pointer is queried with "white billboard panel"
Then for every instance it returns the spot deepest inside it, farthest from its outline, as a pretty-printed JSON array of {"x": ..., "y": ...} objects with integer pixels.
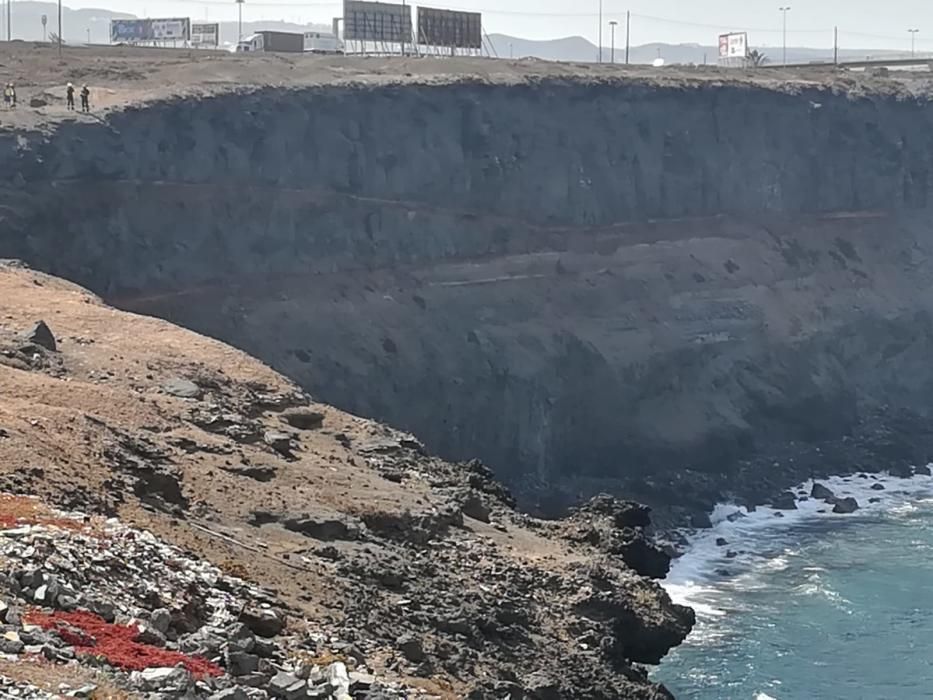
[
  {"x": 171, "y": 29},
  {"x": 205, "y": 34},
  {"x": 376, "y": 21},
  {"x": 734, "y": 45}
]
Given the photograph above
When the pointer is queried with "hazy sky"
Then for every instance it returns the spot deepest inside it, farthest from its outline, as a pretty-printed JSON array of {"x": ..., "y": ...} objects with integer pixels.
[{"x": 862, "y": 24}]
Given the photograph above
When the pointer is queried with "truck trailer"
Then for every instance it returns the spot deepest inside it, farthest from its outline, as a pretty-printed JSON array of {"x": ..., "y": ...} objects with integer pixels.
[{"x": 266, "y": 41}]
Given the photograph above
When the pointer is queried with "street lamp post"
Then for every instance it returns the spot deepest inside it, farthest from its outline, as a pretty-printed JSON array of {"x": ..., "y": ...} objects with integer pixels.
[
  {"x": 612, "y": 41},
  {"x": 239, "y": 23},
  {"x": 913, "y": 38},
  {"x": 784, "y": 11}
]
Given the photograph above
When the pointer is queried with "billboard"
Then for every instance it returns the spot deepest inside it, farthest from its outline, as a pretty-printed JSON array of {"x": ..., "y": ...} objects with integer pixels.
[
  {"x": 142, "y": 30},
  {"x": 733, "y": 45},
  {"x": 205, "y": 34},
  {"x": 462, "y": 30},
  {"x": 376, "y": 21},
  {"x": 130, "y": 30}
]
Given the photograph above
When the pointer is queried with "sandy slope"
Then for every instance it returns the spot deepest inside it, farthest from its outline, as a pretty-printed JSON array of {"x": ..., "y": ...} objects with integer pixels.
[{"x": 348, "y": 521}]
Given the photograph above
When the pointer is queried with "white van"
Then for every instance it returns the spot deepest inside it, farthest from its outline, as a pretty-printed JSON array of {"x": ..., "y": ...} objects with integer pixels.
[{"x": 323, "y": 43}]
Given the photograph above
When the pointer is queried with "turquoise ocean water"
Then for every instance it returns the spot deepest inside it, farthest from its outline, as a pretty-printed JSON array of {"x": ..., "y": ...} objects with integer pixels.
[{"x": 812, "y": 605}]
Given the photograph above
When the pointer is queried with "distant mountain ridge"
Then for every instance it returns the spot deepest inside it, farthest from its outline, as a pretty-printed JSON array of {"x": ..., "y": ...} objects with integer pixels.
[{"x": 579, "y": 49}]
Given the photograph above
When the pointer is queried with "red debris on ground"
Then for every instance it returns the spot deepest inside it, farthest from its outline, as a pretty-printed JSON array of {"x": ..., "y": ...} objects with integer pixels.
[
  {"x": 23, "y": 510},
  {"x": 90, "y": 634}
]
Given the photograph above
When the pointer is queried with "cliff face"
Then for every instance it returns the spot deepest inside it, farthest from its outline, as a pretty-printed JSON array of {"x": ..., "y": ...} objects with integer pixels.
[{"x": 587, "y": 286}]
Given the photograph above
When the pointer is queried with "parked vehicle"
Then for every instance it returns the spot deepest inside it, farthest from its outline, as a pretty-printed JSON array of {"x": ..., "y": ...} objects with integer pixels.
[{"x": 322, "y": 43}]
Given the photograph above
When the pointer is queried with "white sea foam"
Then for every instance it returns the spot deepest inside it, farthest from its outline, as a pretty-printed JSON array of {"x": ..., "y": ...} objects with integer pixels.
[{"x": 758, "y": 542}]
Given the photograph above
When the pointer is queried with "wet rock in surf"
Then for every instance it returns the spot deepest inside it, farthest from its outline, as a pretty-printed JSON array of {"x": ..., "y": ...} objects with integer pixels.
[
  {"x": 784, "y": 501},
  {"x": 822, "y": 492},
  {"x": 845, "y": 505},
  {"x": 721, "y": 542},
  {"x": 877, "y": 487},
  {"x": 924, "y": 470}
]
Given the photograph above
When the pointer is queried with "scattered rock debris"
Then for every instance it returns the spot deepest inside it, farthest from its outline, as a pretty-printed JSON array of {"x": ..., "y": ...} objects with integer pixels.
[{"x": 89, "y": 591}]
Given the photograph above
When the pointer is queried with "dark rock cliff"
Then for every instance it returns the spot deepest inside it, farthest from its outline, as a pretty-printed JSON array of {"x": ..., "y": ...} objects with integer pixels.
[{"x": 656, "y": 289}]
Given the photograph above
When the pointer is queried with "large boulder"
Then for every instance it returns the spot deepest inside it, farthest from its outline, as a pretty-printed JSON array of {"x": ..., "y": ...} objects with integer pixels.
[
  {"x": 822, "y": 492},
  {"x": 40, "y": 334},
  {"x": 784, "y": 501},
  {"x": 264, "y": 623},
  {"x": 845, "y": 505}
]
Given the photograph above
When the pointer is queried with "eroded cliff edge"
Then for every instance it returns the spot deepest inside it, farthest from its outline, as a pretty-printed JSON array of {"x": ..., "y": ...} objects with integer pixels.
[{"x": 672, "y": 290}]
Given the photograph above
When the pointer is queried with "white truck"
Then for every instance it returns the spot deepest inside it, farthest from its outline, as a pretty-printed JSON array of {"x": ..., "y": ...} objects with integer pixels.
[{"x": 322, "y": 43}]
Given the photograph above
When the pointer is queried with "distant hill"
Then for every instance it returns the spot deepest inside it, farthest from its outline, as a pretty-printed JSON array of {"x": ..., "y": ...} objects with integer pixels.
[{"x": 579, "y": 49}]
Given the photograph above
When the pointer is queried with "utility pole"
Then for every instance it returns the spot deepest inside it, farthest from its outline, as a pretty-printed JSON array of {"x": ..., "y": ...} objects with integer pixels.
[
  {"x": 913, "y": 37},
  {"x": 88, "y": 35},
  {"x": 9, "y": 20},
  {"x": 59, "y": 28},
  {"x": 628, "y": 27},
  {"x": 239, "y": 25},
  {"x": 612, "y": 42},
  {"x": 599, "y": 40},
  {"x": 405, "y": 24},
  {"x": 784, "y": 11},
  {"x": 835, "y": 46}
]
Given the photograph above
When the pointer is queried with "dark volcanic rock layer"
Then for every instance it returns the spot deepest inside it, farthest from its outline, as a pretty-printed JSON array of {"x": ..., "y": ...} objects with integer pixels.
[{"x": 678, "y": 291}]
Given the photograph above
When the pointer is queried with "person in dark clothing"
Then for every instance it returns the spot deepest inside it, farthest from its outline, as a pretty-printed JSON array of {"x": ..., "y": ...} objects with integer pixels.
[
  {"x": 70, "y": 96},
  {"x": 85, "y": 98}
]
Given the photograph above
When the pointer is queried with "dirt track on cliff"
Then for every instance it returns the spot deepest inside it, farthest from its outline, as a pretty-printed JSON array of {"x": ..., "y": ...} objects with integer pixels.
[
  {"x": 121, "y": 77},
  {"x": 347, "y": 521}
]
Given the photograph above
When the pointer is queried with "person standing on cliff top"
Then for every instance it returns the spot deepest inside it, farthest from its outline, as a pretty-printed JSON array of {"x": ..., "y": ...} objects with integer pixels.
[
  {"x": 12, "y": 89},
  {"x": 85, "y": 98},
  {"x": 8, "y": 95},
  {"x": 70, "y": 96}
]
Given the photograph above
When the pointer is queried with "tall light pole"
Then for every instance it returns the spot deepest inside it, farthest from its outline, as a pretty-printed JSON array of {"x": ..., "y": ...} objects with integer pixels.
[
  {"x": 599, "y": 40},
  {"x": 784, "y": 11},
  {"x": 239, "y": 24},
  {"x": 612, "y": 41},
  {"x": 628, "y": 33},
  {"x": 913, "y": 37},
  {"x": 59, "y": 28}
]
